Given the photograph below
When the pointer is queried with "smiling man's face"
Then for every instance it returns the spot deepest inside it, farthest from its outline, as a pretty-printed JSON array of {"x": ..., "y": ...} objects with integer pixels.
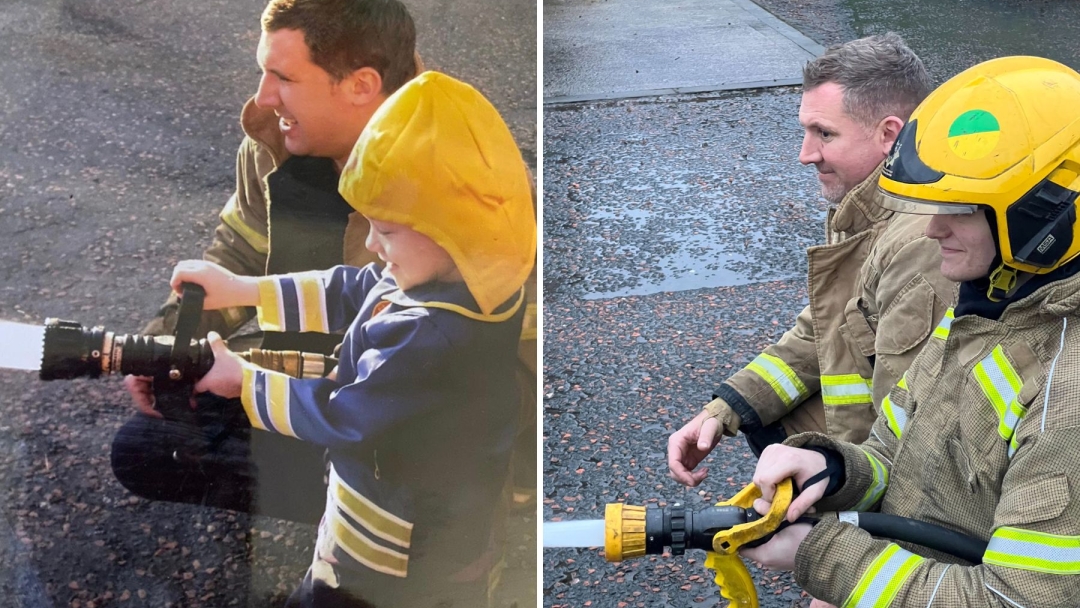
[
  {"x": 844, "y": 151},
  {"x": 315, "y": 113}
]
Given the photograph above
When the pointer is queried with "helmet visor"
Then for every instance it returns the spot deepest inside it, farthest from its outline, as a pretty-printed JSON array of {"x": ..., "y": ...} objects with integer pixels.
[{"x": 903, "y": 204}]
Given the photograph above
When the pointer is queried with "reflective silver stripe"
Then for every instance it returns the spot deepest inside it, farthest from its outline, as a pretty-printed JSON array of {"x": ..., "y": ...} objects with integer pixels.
[
  {"x": 1036, "y": 551},
  {"x": 849, "y": 517},
  {"x": 877, "y": 485},
  {"x": 847, "y": 389},
  {"x": 942, "y": 329},
  {"x": 896, "y": 416},
  {"x": 780, "y": 377},
  {"x": 1001, "y": 385},
  {"x": 882, "y": 580}
]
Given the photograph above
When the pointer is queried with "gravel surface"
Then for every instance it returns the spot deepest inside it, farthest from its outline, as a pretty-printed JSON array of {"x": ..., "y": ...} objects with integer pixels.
[
  {"x": 675, "y": 232},
  {"x": 117, "y": 151}
]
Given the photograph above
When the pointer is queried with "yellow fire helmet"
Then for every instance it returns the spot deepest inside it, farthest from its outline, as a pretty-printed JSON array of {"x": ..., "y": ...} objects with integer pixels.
[
  {"x": 437, "y": 157},
  {"x": 1003, "y": 136}
]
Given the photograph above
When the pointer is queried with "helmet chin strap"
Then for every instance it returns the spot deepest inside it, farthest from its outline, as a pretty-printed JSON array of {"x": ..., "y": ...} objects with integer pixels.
[{"x": 1004, "y": 281}]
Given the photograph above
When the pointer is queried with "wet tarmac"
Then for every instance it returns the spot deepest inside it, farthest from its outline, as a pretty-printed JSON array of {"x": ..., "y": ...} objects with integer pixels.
[{"x": 675, "y": 230}]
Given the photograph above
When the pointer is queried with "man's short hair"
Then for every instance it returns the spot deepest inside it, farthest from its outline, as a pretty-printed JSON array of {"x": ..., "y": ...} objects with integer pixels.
[
  {"x": 346, "y": 35},
  {"x": 880, "y": 77}
]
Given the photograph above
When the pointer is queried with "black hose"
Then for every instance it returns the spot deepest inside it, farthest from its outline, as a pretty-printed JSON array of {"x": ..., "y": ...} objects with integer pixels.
[{"x": 922, "y": 533}]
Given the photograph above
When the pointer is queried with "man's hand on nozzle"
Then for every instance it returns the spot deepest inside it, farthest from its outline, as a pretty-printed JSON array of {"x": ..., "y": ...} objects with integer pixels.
[
  {"x": 224, "y": 289},
  {"x": 141, "y": 389},
  {"x": 226, "y": 377},
  {"x": 777, "y": 463},
  {"x": 691, "y": 444}
]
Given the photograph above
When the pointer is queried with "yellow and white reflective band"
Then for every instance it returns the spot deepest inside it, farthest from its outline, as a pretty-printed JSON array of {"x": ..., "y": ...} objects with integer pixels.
[
  {"x": 780, "y": 377},
  {"x": 366, "y": 551},
  {"x": 1013, "y": 445},
  {"x": 372, "y": 517},
  {"x": 942, "y": 329},
  {"x": 1007, "y": 428},
  {"x": 1036, "y": 551},
  {"x": 311, "y": 301},
  {"x": 1001, "y": 385},
  {"x": 271, "y": 312},
  {"x": 878, "y": 586},
  {"x": 896, "y": 416},
  {"x": 846, "y": 389},
  {"x": 265, "y": 397},
  {"x": 877, "y": 485},
  {"x": 230, "y": 216}
]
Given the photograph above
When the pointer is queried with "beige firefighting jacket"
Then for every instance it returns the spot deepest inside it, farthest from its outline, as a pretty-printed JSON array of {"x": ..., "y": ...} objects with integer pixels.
[
  {"x": 876, "y": 292},
  {"x": 242, "y": 240},
  {"x": 981, "y": 435}
]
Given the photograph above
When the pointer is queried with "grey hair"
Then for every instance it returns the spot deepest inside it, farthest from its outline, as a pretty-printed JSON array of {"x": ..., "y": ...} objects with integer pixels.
[{"x": 880, "y": 76}]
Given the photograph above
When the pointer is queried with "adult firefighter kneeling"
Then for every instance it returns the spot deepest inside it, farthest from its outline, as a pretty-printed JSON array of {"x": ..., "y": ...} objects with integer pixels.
[{"x": 982, "y": 434}]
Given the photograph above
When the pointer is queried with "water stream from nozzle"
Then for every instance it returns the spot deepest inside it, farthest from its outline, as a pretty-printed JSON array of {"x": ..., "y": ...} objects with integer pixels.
[
  {"x": 21, "y": 345},
  {"x": 583, "y": 533}
]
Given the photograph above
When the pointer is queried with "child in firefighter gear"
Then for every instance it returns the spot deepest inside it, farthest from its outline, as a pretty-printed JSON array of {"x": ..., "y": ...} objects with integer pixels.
[
  {"x": 327, "y": 66},
  {"x": 874, "y": 287},
  {"x": 981, "y": 434},
  {"x": 420, "y": 418}
]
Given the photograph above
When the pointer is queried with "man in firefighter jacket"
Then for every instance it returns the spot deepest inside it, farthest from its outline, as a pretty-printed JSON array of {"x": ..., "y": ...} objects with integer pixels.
[
  {"x": 313, "y": 101},
  {"x": 874, "y": 287},
  {"x": 981, "y": 435}
]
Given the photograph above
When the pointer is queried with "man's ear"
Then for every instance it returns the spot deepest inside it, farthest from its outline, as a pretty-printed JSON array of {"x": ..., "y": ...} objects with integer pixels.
[
  {"x": 888, "y": 130},
  {"x": 364, "y": 86}
]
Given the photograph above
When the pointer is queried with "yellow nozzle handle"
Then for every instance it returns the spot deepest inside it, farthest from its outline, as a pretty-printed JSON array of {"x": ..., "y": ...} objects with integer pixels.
[
  {"x": 728, "y": 541},
  {"x": 733, "y": 578},
  {"x": 731, "y": 574}
]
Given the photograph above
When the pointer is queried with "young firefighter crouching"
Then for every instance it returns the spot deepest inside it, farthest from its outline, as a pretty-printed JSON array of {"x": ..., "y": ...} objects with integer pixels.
[
  {"x": 982, "y": 433},
  {"x": 421, "y": 417}
]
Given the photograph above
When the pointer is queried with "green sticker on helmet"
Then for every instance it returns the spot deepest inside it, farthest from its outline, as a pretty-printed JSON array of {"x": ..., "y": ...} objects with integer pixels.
[{"x": 974, "y": 134}]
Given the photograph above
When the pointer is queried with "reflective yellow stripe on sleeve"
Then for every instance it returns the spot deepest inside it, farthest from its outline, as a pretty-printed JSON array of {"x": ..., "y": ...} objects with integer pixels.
[
  {"x": 878, "y": 586},
  {"x": 1036, "y": 551},
  {"x": 780, "y": 377},
  {"x": 311, "y": 300},
  {"x": 942, "y": 329},
  {"x": 1001, "y": 385},
  {"x": 270, "y": 313},
  {"x": 877, "y": 486},
  {"x": 231, "y": 217},
  {"x": 896, "y": 416},
  {"x": 846, "y": 389}
]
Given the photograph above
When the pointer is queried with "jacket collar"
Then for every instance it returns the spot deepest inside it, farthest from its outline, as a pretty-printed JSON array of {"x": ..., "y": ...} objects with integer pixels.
[
  {"x": 861, "y": 207},
  {"x": 261, "y": 124}
]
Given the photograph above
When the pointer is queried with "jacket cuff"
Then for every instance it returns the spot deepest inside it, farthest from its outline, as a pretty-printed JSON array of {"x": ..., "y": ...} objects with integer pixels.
[
  {"x": 829, "y": 561},
  {"x": 265, "y": 396},
  {"x": 749, "y": 420},
  {"x": 859, "y": 491}
]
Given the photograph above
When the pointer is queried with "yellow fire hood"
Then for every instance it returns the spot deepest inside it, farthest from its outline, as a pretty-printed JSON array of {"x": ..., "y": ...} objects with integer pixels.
[{"x": 437, "y": 157}]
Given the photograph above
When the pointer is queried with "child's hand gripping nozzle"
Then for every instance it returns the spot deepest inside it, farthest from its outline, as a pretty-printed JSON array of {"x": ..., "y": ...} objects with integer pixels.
[{"x": 634, "y": 531}]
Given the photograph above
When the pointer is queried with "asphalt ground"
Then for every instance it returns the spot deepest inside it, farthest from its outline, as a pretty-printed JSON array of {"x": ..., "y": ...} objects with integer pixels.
[
  {"x": 117, "y": 148},
  {"x": 641, "y": 321},
  {"x": 674, "y": 251}
]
